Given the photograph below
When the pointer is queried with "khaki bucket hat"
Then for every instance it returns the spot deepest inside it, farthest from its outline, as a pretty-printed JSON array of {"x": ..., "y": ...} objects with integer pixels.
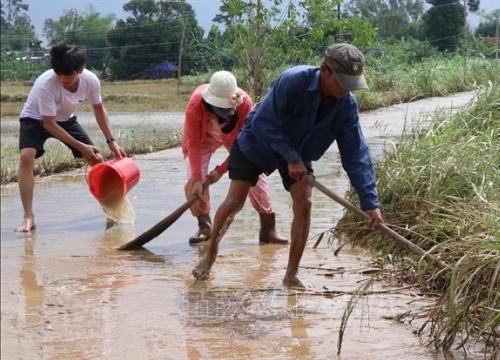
[{"x": 347, "y": 63}]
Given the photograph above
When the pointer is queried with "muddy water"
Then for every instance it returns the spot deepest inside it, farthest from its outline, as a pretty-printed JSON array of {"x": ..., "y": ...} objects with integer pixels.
[{"x": 66, "y": 294}]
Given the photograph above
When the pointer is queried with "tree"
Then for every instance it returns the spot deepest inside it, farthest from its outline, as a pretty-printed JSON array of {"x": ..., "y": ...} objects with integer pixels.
[
  {"x": 473, "y": 5},
  {"x": 262, "y": 39},
  {"x": 89, "y": 29},
  {"x": 14, "y": 9},
  {"x": 17, "y": 31},
  {"x": 489, "y": 23},
  {"x": 392, "y": 18},
  {"x": 248, "y": 36},
  {"x": 152, "y": 34},
  {"x": 444, "y": 24},
  {"x": 63, "y": 29}
]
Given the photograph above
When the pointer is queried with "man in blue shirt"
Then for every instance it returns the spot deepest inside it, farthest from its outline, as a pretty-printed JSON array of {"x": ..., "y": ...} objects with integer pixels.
[{"x": 304, "y": 112}]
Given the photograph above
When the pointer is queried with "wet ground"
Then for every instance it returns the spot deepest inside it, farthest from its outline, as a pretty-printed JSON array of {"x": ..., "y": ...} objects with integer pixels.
[
  {"x": 150, "y": 124},
  {"x": 67, "y": 294}
]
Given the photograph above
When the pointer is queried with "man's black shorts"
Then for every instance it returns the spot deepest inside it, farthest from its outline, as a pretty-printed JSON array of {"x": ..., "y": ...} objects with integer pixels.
[
  {"x": 32, "y": 134},
  {"x": 240, "y": 168}
]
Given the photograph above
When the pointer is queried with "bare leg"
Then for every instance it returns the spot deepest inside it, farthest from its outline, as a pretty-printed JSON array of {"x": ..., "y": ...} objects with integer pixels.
[
  {"x": 224, "y": 216},
  {"x": 26, "y": 182},
  {"x": 301, "y": 197}
]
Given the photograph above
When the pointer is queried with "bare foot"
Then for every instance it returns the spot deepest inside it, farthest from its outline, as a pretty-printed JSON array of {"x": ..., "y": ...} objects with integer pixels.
[
  {"x": 27, "y": 225},
  {"x": 293, "y": 282},
  {"x": 200, "y": 273},
  {"x": 202, "y": 270}
]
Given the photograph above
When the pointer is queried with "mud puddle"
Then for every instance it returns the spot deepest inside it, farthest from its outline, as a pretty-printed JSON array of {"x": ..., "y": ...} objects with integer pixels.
[{"x": 67, "y": 294}]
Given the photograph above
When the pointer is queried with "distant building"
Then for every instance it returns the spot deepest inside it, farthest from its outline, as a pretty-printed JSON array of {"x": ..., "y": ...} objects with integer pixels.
[
  {"x": 163, "y": 70},
  {"x": 34, "y": 58},
  {"x": 493, "y": 40}
]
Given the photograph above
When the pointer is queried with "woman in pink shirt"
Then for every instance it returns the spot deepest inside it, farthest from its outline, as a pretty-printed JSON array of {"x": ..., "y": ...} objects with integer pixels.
[{"x": 215, "y": 114}]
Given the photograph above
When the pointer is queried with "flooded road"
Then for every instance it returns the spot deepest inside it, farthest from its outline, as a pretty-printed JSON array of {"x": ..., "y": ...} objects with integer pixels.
[{"x": 67, "y": 294}]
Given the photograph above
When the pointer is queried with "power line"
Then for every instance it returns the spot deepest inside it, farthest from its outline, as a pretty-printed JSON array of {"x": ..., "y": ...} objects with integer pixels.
[
  {"x": 449, "y": 4},
  {"x": 94, "y": 32}
]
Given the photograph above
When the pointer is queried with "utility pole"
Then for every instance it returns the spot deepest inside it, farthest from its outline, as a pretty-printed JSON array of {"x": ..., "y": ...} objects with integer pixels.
[
  {"x": 179, "y": 60},
  {"x": 340, "y": 37},
  {"x": 465, "y": 40},
  {"x": 497, "y": 35},
  {"x": 257, "y": 70}
]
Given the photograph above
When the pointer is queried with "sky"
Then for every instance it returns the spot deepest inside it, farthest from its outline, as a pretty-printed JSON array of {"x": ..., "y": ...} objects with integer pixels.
[
  {"x": 39, "y": 10},
  {"x": 205, "y": 10}
]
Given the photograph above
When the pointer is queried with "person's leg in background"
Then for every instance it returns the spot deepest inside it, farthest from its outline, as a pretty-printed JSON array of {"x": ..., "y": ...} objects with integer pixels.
[
  {"x": 26, "y": 182},
  {"x": 260, "y": 199},
  {"x": 200, "y": 209}
]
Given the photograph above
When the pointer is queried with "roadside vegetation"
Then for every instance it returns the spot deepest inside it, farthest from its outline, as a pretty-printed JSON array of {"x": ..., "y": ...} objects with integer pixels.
[
  {"x": 440, "y": 188},
  {"x": 412, "y": 52},
  {"x": 396, "y": 72},
  {"x": 411, "y": 70},
  {"x": 58, "y": 157},
  {"x": 125, "y": 96}
]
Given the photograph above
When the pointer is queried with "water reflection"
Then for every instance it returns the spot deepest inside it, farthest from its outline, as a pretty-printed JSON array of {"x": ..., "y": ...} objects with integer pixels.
[
  {"x": 300, "y": 349},
  {"x": 34, "y": 293}
]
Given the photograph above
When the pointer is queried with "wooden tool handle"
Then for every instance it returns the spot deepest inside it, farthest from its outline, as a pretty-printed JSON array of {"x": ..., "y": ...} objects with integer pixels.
[
  {"x": 163, "y": 225},
  {"x": 383, "y": 228}
]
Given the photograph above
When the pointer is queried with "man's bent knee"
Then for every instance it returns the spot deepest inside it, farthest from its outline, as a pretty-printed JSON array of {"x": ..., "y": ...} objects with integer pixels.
[
  {"x": 234, "y": 205},
  {"x": 301, "y": 191},
  {"x": 27, "y": 157},
  {"x": 238, "y": 191}
]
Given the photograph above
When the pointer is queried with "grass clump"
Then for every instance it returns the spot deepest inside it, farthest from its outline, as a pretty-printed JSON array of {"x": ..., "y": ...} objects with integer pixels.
[
  {"x": 58, "y": 157},
  {"x": 393, "y": 81},
  {"x": 440, "y": 188}
]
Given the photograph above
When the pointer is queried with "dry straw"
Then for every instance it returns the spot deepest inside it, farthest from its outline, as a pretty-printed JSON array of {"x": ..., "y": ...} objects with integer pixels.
[{"x": 441, "y": 189}]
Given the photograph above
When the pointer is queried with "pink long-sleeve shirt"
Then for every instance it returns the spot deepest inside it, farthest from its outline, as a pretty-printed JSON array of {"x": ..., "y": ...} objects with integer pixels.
[{"x": 195, "y": 130}]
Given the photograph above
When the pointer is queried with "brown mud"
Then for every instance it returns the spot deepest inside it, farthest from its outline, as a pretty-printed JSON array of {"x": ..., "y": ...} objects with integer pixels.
[{"x": 67, "y": 294}]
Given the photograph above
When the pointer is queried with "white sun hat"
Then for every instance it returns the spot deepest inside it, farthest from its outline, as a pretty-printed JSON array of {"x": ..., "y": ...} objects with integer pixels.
[{"x": 222, "y": 91}]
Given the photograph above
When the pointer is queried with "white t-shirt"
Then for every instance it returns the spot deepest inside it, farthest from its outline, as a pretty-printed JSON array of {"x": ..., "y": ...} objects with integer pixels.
[{"x": 49, "y": 98}]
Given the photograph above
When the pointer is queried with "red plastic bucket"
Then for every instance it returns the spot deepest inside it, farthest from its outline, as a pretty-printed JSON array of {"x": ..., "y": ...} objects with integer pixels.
[{"x": 111, "y": 180}]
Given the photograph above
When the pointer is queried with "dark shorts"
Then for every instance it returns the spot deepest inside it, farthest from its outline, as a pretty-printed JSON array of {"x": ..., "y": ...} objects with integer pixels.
[
  {"x": 32, "y": 134},
  {"x": 240, "y": 168}
]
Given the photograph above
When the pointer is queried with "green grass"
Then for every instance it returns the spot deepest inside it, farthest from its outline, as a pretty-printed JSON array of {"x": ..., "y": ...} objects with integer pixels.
[
  {"x": 440, "y": 188},
  {"x": 58, "y": 157},
  {"x": 393, "y": 77},
  {"x": 435, "y": 76},
  {"x": 128, "y": 96},
  {"x": 390, "y": 82}
]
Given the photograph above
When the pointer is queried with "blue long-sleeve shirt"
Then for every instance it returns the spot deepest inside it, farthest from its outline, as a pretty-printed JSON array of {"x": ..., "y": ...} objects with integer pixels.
[{"x": 288, "y": 125}]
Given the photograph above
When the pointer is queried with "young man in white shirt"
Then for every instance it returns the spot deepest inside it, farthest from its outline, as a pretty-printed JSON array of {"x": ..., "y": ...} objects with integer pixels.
[{"x": 48, "y": 112}]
